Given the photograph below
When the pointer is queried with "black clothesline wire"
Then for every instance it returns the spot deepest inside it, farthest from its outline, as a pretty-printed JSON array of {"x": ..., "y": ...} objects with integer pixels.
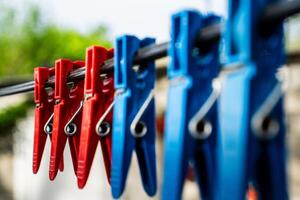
[{"x": 273, "y": 14}]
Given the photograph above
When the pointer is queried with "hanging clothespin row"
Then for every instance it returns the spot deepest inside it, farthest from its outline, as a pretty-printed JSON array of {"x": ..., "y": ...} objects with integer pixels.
[
  {"x": 67, "y": 114},
  {"x": 134, "y": 116},
  {"x": 251, "y": 151},
  {"x": 97, "y": 113},
  {"x": 43, "y": 113},
  {"x": 191, "y": 115}
]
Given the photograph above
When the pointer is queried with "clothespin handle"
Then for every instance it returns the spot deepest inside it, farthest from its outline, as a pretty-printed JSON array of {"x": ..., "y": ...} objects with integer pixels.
[
  {"x": 92, "y": 78},
  {"x": 41, "y": 75}
]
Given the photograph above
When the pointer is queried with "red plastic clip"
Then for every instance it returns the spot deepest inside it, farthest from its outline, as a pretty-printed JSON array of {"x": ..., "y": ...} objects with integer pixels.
[
  {"x": 43, "y": 113},
  {"x": 67, "y": 114},
  {"x": 97, "y": 114}
]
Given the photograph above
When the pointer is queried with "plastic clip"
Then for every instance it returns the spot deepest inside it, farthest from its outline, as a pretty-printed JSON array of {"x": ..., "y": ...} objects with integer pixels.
[
  {"x": 191, "y": 115},
  {"x": 97, "y": 114},
  {"x": 44, "y": 99},
  {"x": 67, "y": 114},
  {"x": 134, "y": 116},
  {"x": 251, "y": 150}
]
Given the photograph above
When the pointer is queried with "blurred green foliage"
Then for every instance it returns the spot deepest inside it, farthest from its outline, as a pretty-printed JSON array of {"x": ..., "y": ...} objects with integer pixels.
[
  {"x": 8, "y": 114},
  {"x": 29, "y": 41},
  {"x": 8, "y": 120}
]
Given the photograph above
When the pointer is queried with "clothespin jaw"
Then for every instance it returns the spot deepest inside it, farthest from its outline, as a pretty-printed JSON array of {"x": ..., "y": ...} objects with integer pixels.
[
  {"x": 191, "y": 115},
  {"x": 134, "y": 116},
  {"x": 252, "y": 144},
  {"x": 44, "y": 109},
  {"x": 67, "y": 114},
  {"x": 97, "y": 113}
]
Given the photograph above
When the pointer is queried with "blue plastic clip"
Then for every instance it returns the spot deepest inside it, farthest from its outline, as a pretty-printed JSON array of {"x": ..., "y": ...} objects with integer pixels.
[
  {"x": 191, "y": 116},
  {"x": 134, "y": 116},
  {"x": 252, "y": 134}
]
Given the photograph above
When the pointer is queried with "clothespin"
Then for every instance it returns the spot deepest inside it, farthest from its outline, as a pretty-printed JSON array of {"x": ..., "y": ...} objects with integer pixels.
[
  {"x": 44, "y": 99},
  {"x": 97, "y": 113},
  {"x": 134, "y": 116},
  {"x": 252, "y": 134},
  {"x": 191, "y": 115},
  {"x": 67, "y": 114}
]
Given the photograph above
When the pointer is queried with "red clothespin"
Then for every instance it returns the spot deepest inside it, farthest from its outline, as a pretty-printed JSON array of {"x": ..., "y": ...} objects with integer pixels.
[
  {"x": 67, "y": 114},
  {"x": 43, "y": 113},
  {"x": 97, "y": 113}
]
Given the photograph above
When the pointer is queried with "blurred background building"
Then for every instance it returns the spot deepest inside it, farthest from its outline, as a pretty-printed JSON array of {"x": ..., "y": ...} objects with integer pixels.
[{"x": 36, "y": 33}]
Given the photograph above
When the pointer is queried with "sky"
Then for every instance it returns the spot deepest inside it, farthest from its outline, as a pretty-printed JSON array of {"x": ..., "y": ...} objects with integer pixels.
[{"x": 139, "y": 17}]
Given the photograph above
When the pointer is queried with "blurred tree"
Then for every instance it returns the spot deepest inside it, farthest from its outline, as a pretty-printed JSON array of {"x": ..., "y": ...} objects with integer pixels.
[{"x": 27, "y": 42}]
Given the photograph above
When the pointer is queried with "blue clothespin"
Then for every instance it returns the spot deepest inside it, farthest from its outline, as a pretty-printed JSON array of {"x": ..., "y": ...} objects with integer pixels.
[
  {"x": 191, "y": 115},
  {"x": 134, "y": 116},
  {"x": 251, "y": 152}
]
